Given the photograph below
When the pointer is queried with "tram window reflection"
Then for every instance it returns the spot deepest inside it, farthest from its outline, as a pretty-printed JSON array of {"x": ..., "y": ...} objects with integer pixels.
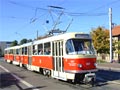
[
  {"x": 40, "y": 49},
  {"x": 47, "y": 49},
  {"x": 69, "y": 47},
  {"x": 78, "y": 46},
  {"x": 35, "y": 50},
  {"x": 26, "y": 50}
]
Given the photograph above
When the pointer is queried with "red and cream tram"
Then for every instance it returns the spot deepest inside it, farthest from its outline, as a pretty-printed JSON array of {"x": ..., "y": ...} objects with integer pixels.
[{"x": 68, "y": 56}]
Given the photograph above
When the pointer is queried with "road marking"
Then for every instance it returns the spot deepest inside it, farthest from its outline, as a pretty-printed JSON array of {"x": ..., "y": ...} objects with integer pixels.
[{"x": 21, "y": 80}]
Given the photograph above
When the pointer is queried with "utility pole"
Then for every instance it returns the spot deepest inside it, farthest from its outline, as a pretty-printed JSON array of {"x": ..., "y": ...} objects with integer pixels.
[
  {"x": 110, "y": 28},
  {"x": 37, "y": 34}
]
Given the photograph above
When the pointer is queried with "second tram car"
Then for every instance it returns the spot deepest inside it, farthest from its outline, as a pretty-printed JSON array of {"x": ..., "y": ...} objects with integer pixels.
[{"x": 69, "y": 56}]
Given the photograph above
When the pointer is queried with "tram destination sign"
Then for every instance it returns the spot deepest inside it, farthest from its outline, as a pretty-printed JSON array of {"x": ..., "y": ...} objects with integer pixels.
[{"x": 87, "y": 36}]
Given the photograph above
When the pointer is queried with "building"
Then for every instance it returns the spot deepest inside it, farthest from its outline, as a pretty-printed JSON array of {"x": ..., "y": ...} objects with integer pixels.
[
  {"x": 3, "y": 45},
  {"x": 116, "y": 39}
]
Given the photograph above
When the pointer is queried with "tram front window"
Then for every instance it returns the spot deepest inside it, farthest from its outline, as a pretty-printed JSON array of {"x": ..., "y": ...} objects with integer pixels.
[{"x": 79, "y": 46}]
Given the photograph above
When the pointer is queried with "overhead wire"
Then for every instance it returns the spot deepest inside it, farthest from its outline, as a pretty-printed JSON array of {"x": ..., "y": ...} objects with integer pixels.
[
  {"x": 103, "y": 6},
  {"x": 34, "y": 18},
  {"x": 25, "y": 5},
  {"x": 88, "y": 13},
  {"x": 56, "y": 10}
]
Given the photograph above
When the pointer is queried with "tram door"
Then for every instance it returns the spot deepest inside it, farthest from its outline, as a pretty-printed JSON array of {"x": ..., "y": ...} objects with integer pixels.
[
  {"x": 58, "y": 59},
  {"x": 29, "y": 55}
]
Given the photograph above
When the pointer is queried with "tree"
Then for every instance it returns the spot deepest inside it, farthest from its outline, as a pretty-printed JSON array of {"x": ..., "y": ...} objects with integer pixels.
[
  {"x": 116, "y": 46},
  {"x": 100, "y": 37},
  {"x": 14, "y": 43},
  {"x": 29, "y": 40},
  {"x": 23, "y": 41}
]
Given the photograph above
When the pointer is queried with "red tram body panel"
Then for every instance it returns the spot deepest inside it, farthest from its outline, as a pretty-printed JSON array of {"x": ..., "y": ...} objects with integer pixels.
[
  {"x": 6, "y": 57},
  {"x": 18, "y": 58},
  {"x": 80, "y": 64},
  {"x": 43, "y": 61},
  {"x": 11, "y": 57},
  {"x": 24, "y": 59}
]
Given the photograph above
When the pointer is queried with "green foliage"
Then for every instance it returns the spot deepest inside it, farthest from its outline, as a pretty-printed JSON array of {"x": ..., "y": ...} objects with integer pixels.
[
  {"x": 14, "y": 43},
  {"x": 30, "y": 40},
  {"x": 101, "y": 61},
  {"x": 116, "y": 46},
  {"x": 100, "y": 37},
  {"x": 23, "y": 41}
]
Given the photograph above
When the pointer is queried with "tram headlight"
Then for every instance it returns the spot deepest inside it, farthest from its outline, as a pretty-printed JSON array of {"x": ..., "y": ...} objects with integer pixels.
[
  {"x": 79, "y": 65},
  {"x": 95, "y": 64}
]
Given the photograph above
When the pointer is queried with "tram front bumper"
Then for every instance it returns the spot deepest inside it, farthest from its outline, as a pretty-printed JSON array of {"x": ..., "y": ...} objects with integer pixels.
[{"x": 89, "y": 77}]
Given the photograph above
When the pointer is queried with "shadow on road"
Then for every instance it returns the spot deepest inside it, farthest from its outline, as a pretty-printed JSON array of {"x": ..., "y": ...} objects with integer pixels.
[
  {"x": 7, "y": 80},
  {"x": 106, "y": 76}
]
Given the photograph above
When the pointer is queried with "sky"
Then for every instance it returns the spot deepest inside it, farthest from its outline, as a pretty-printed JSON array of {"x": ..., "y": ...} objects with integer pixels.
[{"x": 23, "y": 18}]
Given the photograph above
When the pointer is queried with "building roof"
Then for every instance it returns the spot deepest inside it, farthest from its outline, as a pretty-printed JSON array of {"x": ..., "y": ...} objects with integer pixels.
[{"x": 116, "y": 30}]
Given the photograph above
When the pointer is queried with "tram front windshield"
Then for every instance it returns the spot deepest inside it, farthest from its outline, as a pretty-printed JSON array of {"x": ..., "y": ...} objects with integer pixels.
[{"x": 79, "y": 46}]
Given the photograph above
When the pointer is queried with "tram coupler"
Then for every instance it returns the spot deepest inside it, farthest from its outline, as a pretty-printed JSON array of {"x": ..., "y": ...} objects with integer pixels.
[{"x": 90, "y": 78}]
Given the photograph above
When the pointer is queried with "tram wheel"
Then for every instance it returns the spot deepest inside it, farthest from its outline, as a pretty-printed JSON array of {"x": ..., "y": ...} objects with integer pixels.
[
  {"x": 44, "y": 72},
  {"x": 11, "y": 62},
  {"x": 92, "y": 82},
  {"x": 20, "y": 65}
]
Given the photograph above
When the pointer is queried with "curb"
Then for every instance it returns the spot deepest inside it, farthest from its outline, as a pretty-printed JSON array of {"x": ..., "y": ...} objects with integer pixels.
[{"x": 108, "y": 68}]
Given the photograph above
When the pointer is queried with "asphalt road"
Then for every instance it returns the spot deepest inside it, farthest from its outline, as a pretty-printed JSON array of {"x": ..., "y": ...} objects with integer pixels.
[{"x": 15, "y": 78}]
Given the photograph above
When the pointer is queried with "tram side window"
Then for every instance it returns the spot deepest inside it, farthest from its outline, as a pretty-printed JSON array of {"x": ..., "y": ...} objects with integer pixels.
[
  {"x": 26, "y": 50},
  {"x": 5, "y": 51},
  {"x": 35, "y": 52},
  {"x": 11, "y": 51},
  {"x": 8, "y": 51},
  {"x": 47, "y": 48},
  {"x": 22, "y": 51},
  {"x": 53, "y": 50},
  {"x": 33, "y": 49},
  {"x": 17, "y": 51},
  {"x": 40, "y": 49},
  {"x": 69, "y": 47}
]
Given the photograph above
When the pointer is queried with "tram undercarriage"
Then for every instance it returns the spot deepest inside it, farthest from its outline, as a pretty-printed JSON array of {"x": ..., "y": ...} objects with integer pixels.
[{"x": 87, "y": 78}]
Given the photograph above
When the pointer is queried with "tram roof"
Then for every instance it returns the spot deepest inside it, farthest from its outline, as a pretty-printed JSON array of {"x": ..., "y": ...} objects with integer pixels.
[
  {"x": 14, "y": 47},
  {"x": 64, "y": 36},
  {"x": 26, "y": 44}
]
